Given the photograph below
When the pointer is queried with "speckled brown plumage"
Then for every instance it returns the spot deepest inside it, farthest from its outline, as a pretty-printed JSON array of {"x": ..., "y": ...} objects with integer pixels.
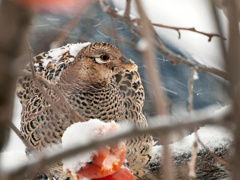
[{"x": 96, "y": 87}]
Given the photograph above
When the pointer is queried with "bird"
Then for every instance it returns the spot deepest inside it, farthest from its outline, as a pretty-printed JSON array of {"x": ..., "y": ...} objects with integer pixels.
[{"x": 79, "y": 82}]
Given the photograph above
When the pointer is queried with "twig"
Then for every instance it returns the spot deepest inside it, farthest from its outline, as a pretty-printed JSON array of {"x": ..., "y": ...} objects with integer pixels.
[
  {"x": 160, "y": 103},
  {"x": 29, "y": 147},
  {"x": 131, "y": 132},
  {"x": 192, "y": 163},
  {"x": 190, "y": 90},
  {"x": 62, "y": 36},
  {"x": 219, "y": 160},
  {"x": 209, "y": 35},
  {"x": 127, "y": 9},
  {"x": 233, "y": 69},
  {"x": 15, "y": 20},
  {"x": 73, "y": 113},
  {"x": 19, "y": 134},
  {"x": 176, "y": 59},
  {"x": 168, "y": 172}
]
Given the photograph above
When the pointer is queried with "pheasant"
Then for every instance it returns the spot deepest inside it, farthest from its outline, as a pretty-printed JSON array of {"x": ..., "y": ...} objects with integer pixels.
[{"x": 95, "y": 81}]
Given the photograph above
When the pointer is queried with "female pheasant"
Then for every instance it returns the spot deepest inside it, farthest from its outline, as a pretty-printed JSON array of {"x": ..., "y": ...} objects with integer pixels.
[{"x": 90, "y": 81}]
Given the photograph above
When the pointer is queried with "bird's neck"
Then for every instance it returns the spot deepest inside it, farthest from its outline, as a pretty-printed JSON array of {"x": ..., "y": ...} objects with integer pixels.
[{"x": 85, "y": 77}]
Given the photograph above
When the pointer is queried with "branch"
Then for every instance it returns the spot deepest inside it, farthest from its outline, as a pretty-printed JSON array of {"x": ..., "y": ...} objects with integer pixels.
[
  {"x": 18, "y": 133},
  {"x": 174, "y": 58},
  {"x": 158, "y": 97},
  {"x": 14, "y": 20},
  {"x": 218, "y": 160},
  {"x": 127, "y": 9},
  {"x": 209, "y": 35},
  {"x": 62, "y": 36},
  {"x": 75, "y": 116},
  {"x": 190, "y": 90},
  {"x": 192, "y": 163},
  {"x": 233, "y": 68},
  {"x": 187, "y": 123}
]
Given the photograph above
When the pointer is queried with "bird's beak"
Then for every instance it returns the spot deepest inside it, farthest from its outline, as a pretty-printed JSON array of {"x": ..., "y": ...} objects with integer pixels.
[{"x": 127, "y": 64}]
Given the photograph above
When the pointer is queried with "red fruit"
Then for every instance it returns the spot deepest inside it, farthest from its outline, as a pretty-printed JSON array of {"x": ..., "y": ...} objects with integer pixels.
[
  {"x": 121, "y": 174},
  {"x": 106, "y": 162}
]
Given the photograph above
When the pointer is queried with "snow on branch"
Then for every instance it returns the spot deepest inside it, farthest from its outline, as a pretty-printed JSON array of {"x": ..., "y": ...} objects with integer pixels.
[{"x": 201, "y": 118}]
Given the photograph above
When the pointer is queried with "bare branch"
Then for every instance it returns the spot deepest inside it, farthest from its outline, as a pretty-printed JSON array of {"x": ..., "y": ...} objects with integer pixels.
[
  {"x": 168, "y": 172},
  {"x": 160, "y": 103},
  {"x": 63, "y": 35},
  {"x": 127, "y": 9},
  {"x": 15, "y": 20},
  {"x": 219, "y": 160},
  {"x": 75, "y": 116},
  {"x": 18, "y": 133},
  {"x": 233, "y": 69},
  {"x": 175, "y": 59},
  {"x": 190, "y": 89},
  {"x": 209, "y": 35},
  {"x": 192, "y": 163}
]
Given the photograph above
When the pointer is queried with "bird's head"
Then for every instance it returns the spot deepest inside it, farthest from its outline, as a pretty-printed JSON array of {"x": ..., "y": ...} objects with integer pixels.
[{"x": 98, "y": 62}]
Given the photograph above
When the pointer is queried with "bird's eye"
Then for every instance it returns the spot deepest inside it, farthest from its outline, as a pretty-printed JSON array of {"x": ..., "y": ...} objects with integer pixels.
[
  {"x": 102, "y": 59},
  {"x": 105, "y": 57}
]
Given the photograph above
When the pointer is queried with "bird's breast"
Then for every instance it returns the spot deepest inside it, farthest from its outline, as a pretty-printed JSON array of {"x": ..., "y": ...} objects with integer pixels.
[{"x": 103, "y": 104}]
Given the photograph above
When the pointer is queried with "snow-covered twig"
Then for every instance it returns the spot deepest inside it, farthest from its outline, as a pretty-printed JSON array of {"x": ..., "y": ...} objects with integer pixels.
[{"x": 174, "y": 58}]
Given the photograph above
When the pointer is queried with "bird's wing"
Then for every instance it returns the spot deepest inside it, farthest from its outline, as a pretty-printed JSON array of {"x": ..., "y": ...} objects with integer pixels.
[
  {"x": 40, "y": 104},
  {"x": 132, "y": 90},
  {"x": 139, "y": 147}
]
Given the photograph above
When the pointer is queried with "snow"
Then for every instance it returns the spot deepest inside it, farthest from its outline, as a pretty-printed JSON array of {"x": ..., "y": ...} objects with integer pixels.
[
  {"x": 14, "y": 143},
  {"x": 185, "y": 13},
  {"x": 55, "y": 54},
  {"x": 82, "y": 133},
  {"x": 12, "y": 159},
  {"x": 212, "y": 137},
  {"x": 142, "y": 45}
]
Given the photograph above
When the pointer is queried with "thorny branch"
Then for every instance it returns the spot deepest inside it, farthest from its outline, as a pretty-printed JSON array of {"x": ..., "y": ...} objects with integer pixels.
[
  {"x": 209, "y": 35},
  {"x": 175, "y": 59}
]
